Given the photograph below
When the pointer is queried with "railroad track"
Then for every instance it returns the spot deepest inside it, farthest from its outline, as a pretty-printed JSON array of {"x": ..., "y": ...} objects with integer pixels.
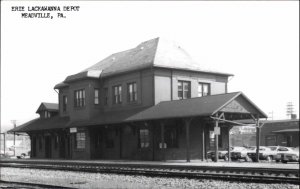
[{"x": 244, "y": 174}]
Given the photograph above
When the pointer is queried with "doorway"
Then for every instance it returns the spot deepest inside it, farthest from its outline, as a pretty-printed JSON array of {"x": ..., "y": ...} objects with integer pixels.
[{"x": 48, "y": 147}]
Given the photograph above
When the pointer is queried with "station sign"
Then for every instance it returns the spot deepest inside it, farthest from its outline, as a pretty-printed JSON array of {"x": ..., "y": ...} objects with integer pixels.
[
  {"x": 73, "y": 130},
  {"x": 217, "y": 130}
]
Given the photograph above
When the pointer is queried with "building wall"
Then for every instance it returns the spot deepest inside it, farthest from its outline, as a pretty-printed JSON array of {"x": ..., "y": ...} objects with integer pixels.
[
  {"x": 143, "y": 78},
  {"x": 268, "y": 137},
  {"x": 166, "y": 83}
]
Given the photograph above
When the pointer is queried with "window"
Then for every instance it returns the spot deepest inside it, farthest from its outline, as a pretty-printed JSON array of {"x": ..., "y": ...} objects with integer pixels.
[
  {"x": 203, "y": 89},
  {"x": 80, "y": 140},
  {"x": 79, "y": 98},
  {"x": 64, "y": 103},
  {"x": 105, "y": 96},
  {"x": 117, "y": 94},
  {"x": 47, "y": 114},
  {"x": 144, "y": 139},
  {"x": 109, "y": 139},
  {"x": 171, "y": 136},
  {"x": 184, "y": 89},
  {"x": 96, "y": 97},
  {"x": 131, "y": 92}
]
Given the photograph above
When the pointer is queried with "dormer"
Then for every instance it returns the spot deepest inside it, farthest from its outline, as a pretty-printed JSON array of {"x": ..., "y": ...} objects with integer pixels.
[{"x": 47, "y": 110}]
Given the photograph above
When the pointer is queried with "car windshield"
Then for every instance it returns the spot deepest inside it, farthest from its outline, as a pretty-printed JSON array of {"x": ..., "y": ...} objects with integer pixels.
[
  {"x": 252, "y": 148},
  {"x": 238, "y": 148},
  {"x": 283, "y": 149}
]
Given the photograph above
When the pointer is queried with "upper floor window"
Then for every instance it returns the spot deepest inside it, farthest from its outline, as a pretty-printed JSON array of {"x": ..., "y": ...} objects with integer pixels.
[
  {"x": 96, "y": 96},
  {"x": 105, "y": 91},
  {"x": 80, "y": 140},
  {"x": 203, "y": 89},
  {"x": 117, "y": 94},
  {"x": 184, "y": 89},
  {"x": 131, "y": 92},
  {"x": 79, "y": 98},
  {"x": 47, "y": 114},
  {"x": 64, "y": 103}
]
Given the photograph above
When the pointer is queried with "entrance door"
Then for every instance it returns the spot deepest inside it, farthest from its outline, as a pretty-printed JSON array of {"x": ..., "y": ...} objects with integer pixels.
[
  {"x": 97, "y": 144},
  {"x": 48, "y": 147},
  {"x": 145, "y": 143}
]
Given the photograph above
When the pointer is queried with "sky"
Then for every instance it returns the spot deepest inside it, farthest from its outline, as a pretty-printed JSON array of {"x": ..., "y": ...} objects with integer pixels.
[{"x": 258, "y": 42}]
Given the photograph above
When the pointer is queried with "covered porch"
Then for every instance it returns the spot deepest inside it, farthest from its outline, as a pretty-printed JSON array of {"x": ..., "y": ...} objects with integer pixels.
[{"x": 205, "y": 123}]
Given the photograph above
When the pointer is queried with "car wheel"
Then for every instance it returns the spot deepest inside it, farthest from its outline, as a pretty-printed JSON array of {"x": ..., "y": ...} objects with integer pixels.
[
  {"x": 284, "y": 161},
  {"x": 277, "y": 161},
  {"x": 269, "y": 159}
]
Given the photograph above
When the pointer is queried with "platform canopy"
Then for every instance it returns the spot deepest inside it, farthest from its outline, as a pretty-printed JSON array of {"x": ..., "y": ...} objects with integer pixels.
[{"x": 235, "y": 105}]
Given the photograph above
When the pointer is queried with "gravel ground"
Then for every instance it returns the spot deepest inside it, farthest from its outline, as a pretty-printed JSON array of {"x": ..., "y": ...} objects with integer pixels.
[{"x": 97, "y": 180}]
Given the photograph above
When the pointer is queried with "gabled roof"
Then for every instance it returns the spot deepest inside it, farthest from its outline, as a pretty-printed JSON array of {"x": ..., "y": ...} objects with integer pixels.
[
  {"x": 156, "y": 52},
  {"x": 200, "y": 106},
  {"x": 51, "y": 107}
]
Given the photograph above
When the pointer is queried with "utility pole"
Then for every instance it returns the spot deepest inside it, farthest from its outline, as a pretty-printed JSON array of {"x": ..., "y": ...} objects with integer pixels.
[
  {"x": 4, "y": 145},
  {"x": 14, "y": 122},
  {"x": 272, "y": 114},
  {"x": 289, "y": 109}
]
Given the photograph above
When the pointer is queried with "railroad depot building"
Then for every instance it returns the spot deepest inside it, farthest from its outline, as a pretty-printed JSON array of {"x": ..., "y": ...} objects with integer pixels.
[{"x": 151, "y": 102}]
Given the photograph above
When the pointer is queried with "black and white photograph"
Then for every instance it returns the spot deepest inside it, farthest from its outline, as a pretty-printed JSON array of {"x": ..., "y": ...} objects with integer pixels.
[{"x": 149, "y": 94}]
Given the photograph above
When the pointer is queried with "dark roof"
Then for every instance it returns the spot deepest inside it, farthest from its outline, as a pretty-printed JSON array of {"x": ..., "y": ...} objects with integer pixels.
[
  {"x": 156, "y": 52},
  {"x": 52, "y": 107},
  {"x": 55, "y": 122},
  {"x": 201, "y": 106},
  {"x": 107, "y": 118}
]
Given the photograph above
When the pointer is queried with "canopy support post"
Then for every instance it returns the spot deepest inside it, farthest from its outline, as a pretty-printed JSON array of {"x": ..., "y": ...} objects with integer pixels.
[
  {"x": 216, "y": 140},
  {"x": 257, "y": 138},
  {"x": 203, "y": 143},
  {"x": 229, "y": 144},
  {"x": 162, "y": 135},
  {"x": 187, "y": 123}
]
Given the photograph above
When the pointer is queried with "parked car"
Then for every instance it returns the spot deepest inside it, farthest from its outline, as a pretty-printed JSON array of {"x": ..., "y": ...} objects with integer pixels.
[
  {"x": 240, "y": 153},
  {"x": 223, "y": 154},
  {"x": 265, "y": 153},
  {"x": 287, "y": 154},
  {"x": 20, "y": 152}
]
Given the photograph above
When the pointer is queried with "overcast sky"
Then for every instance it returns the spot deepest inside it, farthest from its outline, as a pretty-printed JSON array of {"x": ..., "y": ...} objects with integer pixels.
[{"x": 258, "y": 42}]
